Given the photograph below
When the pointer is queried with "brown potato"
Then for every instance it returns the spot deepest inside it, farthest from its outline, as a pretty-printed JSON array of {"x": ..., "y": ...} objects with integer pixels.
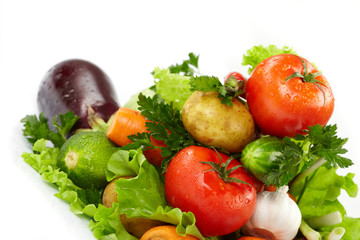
[
  {"x": 215, "y": 124},
  {"x": 135, "y": 226}
]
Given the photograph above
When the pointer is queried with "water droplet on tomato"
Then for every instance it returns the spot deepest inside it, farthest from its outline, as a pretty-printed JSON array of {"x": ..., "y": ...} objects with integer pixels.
[
  {"x": 298, "y": 87},
  {"x": 286, "y": 67}
]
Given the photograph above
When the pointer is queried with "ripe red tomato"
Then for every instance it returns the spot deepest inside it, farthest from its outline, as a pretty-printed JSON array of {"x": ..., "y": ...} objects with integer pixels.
[
  {"x": 219, "y": 207},
  {"x": 284, "y": 106},
  {"x": 241, "y": 83}
]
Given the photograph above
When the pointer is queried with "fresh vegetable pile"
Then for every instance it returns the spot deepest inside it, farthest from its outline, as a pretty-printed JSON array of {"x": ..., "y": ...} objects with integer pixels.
[{"x": 193, "y": 157}]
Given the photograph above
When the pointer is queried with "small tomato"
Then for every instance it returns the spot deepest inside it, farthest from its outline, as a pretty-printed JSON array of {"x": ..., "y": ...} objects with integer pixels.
[{"x": 236, "y": 82}]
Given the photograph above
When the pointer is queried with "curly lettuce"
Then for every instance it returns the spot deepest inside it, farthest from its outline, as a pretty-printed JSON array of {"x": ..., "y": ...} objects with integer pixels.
[
  {"x": 317, "y": 195},
  {"x": 257, "y": 54},
  {"x": 172, "y": 87},
  {"x": 44, "y": 161},
  {"x": 140, "y": 196}
]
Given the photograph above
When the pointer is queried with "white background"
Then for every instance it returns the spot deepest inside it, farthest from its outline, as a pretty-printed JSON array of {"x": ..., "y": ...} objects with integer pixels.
[{"x": 127, "y": 39}]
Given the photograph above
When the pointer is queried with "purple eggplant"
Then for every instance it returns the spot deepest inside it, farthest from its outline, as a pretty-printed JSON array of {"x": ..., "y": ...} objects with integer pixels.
[{"x": 75, "y": 85}]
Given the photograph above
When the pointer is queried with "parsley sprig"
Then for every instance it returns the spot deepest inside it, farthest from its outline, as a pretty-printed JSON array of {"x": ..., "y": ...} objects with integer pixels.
[
  {"x": 188, "y": 67},
  {"x": 164, "y": 124},
  {"x": 36, "y": 128},
  {"x": 318, "y": 145}
]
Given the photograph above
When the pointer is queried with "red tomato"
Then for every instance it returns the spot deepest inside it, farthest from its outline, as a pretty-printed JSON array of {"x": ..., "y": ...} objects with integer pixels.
[
  {"x": 259, "y": 185},
  {"x": 282, "y": 107},
  {"x": 153, "y": 155},
  {"x": 219, "y": 207},
  {"x": 240, "y": 79},
  {"x": 237, "y": 75}
]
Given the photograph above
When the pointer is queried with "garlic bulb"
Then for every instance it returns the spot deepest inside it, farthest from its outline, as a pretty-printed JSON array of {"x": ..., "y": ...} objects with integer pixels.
[{"x": 276, "y": 216}]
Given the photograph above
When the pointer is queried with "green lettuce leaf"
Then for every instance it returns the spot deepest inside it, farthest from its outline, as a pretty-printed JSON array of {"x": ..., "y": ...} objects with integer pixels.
[
  {"x": 257, "y": 54},
  {"x": 140, "y": 196},
  {"x": 351, "y": 226},
  {"x": 106, "y": 224},
  {"x": 44, "y": 161},
  {"x": 172, "y": 87},
  {"x": 317, "y": 195}
]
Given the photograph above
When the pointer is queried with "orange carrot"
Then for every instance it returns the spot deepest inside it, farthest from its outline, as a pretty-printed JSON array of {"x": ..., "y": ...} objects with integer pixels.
[
  {"x": 128, "y": 122},
  {"x": 251, "y": 238},
  {"x": 166, "y": 232}
]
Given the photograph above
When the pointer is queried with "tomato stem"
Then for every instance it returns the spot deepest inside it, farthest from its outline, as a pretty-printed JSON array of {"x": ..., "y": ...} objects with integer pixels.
[
  {"x": 222, "y": 170},
  {"x": 309, "y": 78},
  {"x": 234, "y": 87}
]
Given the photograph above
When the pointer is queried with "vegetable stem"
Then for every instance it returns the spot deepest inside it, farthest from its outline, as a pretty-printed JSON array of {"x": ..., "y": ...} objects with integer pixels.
[
  {"x": 336, "y": 234},
  {"x": 222, "y": 170},
  {"x": 309, "y": 78},
  {"x": 325, "y": 220},
  {"x": 308, "y": 232},
  {"x": 308, "y": 171},
  {"x": 96, "y": 122}
]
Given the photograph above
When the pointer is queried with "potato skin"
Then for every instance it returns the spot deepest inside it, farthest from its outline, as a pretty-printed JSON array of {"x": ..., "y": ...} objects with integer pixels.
[
  {"x": 136, "y": 226},
  {"x": 215, "y": 124},
  {"x": 109, "y": 195}
]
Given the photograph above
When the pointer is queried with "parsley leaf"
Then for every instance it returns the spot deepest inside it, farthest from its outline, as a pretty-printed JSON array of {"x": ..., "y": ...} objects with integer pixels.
[
  {"x": 211, "y": 83},
  {"x": 286, "y": 164},
  {"x": 281, "y": 160},
  {"x": 37, "y": 128},
  {"x": 325, "y": 143},
  {"x": 205, "y": 84},
  {"x": 188, "y": 67},
  {"x": 164, "y": 124}
]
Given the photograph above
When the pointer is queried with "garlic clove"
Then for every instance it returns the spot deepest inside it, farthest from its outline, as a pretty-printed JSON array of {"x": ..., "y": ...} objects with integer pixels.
[{"x": 276, "y": 216}]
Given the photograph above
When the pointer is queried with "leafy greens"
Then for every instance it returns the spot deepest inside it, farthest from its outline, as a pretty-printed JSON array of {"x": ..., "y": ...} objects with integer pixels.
[
  {"x": 286, "y": 158},
  {"x": 257, "y": 54},
  {"x": 317, "y": 196},
  {"x": 171, "y": 87},
  {"x": 164, "y": 124},
  {"x": 44, "y": 161},
  {"x": 188, "y": 67},
  {"x": 38, "y": 128},
  {"x": 140, "y": 196}
]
